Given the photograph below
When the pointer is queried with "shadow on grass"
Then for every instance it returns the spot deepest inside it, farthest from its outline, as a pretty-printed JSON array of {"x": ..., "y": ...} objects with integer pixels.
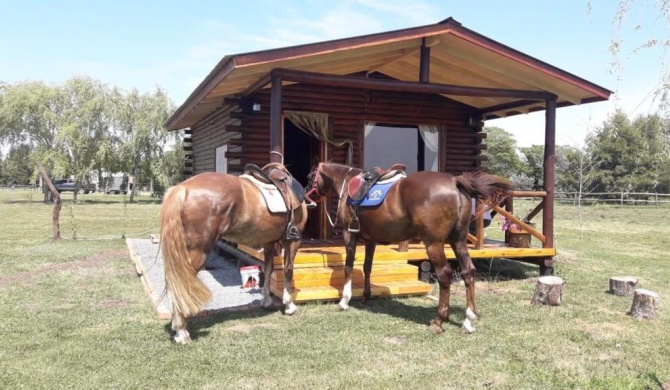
[
  {"x": 198, "y": 327},
  {"x": 416, "y": 313},
  {"x": 504, "y": 269}
]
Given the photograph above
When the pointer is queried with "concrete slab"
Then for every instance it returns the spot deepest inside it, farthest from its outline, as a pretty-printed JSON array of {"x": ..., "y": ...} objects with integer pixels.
[{"x": 221, "y": 275}]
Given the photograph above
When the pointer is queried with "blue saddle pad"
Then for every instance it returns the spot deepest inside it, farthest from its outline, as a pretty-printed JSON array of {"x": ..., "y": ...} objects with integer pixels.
[{"x": 375, "y": 196}]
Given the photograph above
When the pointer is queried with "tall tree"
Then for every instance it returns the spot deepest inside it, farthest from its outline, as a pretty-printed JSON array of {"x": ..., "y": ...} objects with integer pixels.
[
  {"x": 627, "y": 160},
  {"x": 503, "y": 159},
  {"x": 85, "y": 126},
  {"x": 31, "y": 114},
  {"x": 141, "y": 119},
  {"x": 16, "y": 167},
  {"x": 631, "y": 36},
  {"x": 533, "y": 156}
]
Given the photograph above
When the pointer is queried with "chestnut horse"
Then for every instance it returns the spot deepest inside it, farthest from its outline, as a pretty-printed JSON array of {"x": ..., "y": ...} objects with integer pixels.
[
  {"x": 212, "y": 206},
  {"x": 432, "y": 206}
]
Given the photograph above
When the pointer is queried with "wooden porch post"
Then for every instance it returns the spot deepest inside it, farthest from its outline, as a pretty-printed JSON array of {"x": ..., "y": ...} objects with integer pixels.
[
  {"x": 276, "y": 150},
  {"x": 549, "y": 172},
  {"x": 424, "y": 65}
]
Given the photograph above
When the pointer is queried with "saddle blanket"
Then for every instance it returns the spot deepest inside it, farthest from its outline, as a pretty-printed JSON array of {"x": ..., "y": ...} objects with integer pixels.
[
  {"x": 377, "y": 192},
  {"x": 273, "y": 197}
]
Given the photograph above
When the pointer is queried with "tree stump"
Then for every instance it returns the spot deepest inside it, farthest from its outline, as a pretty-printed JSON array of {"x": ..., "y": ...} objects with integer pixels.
[
  {"x": 645, "y": 304},
  {"x": 622, "y": 285},
  {"x": 548, "y": 291}
]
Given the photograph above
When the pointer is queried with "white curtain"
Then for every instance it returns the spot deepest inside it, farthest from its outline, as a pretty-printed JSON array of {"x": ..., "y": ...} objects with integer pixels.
[
  {"x": 368, "y": 128},
  {"x": 431, "y": 138}
]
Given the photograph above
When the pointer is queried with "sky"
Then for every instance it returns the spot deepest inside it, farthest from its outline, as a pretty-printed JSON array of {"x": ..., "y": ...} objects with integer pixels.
[{"x": 175, "y": 44}]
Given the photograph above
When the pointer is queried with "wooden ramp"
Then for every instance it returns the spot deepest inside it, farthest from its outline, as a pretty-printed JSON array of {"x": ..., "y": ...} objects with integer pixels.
[{"x": 319, "y": 274}]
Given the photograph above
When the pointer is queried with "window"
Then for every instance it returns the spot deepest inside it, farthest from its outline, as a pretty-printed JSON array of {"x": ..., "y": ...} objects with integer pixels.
[{"x": 221, "y": 160}]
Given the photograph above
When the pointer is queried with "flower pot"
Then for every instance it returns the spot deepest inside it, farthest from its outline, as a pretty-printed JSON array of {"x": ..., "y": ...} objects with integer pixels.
[{"x": 519, "y": 239}]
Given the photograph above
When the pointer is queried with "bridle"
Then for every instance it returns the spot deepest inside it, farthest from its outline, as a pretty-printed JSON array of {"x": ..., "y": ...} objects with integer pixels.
[{"x": 314, "y": 191}]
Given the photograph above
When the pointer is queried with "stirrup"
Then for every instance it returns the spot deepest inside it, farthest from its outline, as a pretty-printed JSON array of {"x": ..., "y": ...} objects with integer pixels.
[
  {"x": 354, "y": 226},
  {"x": 292, "y": 232}
]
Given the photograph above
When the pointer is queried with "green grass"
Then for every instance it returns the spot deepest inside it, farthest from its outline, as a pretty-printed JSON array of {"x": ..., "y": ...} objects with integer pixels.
[{"x": 75, "y": 316}]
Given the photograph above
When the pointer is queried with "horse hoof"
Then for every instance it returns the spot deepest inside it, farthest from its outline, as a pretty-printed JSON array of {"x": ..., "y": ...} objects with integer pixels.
[
  {"x": 290, "y": 309},
  {"x": 468, "y": 329},
  {"x": 435, "y": 329},
  {"x": 182, "y": 337},
  {"x": 342, "y": 307}
]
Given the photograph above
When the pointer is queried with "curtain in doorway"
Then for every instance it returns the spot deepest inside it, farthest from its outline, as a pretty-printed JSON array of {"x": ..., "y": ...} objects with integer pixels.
[
  {"x": 316, "y": 124},
  {"x": 431, "y": 138},
  {"x": 368, "y": 127}
]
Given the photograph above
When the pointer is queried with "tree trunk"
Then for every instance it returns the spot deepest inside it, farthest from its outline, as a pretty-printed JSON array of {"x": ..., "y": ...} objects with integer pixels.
[
  {"x": 57, "y": 202},
  {"x": 548, "y": 291},
  {"x": 622, "y": 285},
  {"x": 645, "y": 304}
]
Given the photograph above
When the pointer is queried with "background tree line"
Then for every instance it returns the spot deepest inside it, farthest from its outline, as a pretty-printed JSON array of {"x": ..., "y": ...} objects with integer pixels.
[
  {"x": 619, "y": 155},
  {"x": 83, "y": 127}
]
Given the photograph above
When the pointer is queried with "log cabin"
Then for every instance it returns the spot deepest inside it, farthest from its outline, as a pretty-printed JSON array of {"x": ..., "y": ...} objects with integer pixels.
[{"x": 419, "y": 96}]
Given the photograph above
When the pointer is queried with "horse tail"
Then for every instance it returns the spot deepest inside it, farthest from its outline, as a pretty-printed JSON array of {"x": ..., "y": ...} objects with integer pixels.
[
  {"x": 187, "y": 292},
  {"x": 490, "y": 188}
]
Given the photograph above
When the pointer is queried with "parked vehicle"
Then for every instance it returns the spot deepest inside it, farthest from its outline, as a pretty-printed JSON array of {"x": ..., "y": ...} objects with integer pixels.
[
  {"x": 65, "y": 185},
  {"x": 117, "y": 185}
]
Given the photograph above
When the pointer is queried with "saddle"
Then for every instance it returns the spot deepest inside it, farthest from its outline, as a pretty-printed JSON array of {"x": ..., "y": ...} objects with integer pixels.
[
  {"x": 277, "y": 175},
  {"x": 360, "y": 185}
]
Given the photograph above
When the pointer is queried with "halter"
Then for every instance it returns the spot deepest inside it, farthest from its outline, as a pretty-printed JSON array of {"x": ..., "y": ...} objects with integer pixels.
[{"x": 315, "y": 190}]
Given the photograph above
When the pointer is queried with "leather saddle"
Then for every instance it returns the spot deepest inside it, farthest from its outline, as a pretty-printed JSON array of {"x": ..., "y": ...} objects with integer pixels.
[
  {"x": 360, "y": 184},
  {"x": 276, "y": 174}
]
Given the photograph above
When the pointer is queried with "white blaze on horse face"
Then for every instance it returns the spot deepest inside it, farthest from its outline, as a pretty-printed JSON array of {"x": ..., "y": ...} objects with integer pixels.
[{"x": 346, "y": 295}]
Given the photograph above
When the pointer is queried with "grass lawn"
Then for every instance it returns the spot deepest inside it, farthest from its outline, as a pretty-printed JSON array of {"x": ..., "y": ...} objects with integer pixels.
[{"x": 75, "y": 315}]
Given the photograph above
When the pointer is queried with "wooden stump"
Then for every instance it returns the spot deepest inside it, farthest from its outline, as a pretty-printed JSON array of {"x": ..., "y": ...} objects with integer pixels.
[
  {"x": 622, "y": 285},
  {"x": 645, "y": 304},
  {"x": 548, "y": 291}
]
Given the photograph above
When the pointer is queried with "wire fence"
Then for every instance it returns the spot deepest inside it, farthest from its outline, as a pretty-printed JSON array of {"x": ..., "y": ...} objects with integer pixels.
[{"x": 622, "y": 198}]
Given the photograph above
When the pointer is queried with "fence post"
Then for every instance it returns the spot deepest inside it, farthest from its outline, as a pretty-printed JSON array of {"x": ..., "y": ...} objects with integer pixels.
[{"x": 622, "y": 198}]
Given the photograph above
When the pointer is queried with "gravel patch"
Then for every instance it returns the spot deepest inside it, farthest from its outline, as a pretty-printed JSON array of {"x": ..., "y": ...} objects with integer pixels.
[{"x": 221, "y": 275}]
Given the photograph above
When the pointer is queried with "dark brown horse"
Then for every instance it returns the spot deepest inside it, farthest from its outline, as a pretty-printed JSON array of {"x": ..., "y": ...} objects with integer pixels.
[
  {"x": 211, "y": 206},
  {"x": 432, "y": 206}
]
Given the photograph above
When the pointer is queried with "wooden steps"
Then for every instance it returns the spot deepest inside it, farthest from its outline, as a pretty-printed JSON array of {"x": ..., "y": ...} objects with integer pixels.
[
  {"x": 305, "y": 294},
  {"x": 318, "y": 272},
  {"x": 334, "y": 276}
]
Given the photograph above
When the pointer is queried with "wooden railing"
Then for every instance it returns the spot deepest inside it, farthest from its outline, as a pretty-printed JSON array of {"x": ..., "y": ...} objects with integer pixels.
[{"x": 506, "y": 209}]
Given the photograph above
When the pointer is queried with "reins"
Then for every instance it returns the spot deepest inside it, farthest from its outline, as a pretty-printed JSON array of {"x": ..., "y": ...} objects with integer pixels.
[{"x": 315, "y": 190}]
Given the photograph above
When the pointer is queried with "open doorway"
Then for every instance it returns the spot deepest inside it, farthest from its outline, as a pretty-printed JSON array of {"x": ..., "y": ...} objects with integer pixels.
[{"x": 301, "y": 152}]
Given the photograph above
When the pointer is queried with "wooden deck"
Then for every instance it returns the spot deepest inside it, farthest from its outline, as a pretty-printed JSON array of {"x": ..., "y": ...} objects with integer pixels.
[{"x": 319, "y": 269}]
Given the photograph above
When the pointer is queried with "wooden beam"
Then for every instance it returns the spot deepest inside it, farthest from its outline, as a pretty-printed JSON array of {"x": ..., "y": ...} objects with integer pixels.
[
  {"x": 405, "y": 86},
  {"x": 276, "y": 150},
  {"x": 549, "y": 172},
  {"x": 262, "y": 82},
  {"x": 424, "y": 65}
]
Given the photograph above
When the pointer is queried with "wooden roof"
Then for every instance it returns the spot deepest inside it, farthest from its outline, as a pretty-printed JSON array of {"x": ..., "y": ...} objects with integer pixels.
[{"x": 458, "y": 56}]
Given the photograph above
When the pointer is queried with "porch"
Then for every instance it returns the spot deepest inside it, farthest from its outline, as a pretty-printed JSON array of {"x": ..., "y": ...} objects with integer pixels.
[{"x": 402, "y": 269}]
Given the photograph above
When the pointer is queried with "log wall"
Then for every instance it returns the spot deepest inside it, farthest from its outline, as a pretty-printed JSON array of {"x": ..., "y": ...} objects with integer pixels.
[{"x": 247, "y": 132}]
